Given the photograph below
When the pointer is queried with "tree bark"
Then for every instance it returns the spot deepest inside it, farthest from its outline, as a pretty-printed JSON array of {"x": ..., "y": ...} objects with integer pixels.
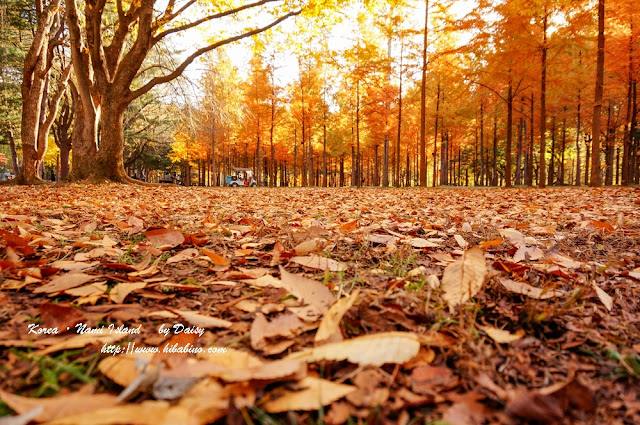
[
  {"x": 507, "y": 174},
  {"x": 543, "y": 99},
  {"x": 423, "y": 102},
  {"x": 597, "y": 105}
]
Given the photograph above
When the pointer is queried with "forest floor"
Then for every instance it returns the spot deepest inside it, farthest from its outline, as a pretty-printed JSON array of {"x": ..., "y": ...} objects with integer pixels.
[{"x": 150, "y": 305}]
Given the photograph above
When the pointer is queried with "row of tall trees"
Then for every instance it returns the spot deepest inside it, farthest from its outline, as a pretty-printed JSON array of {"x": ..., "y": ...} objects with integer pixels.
[
  {"x": 386, "y": 92},
  {"x": 510, "y": 93}
]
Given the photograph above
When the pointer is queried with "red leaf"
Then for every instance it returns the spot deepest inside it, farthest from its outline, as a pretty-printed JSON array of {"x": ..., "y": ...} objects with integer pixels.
[{"x": 17, "y": 243}]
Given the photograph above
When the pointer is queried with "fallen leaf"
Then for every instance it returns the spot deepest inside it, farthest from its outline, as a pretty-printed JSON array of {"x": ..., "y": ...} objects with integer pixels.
[
  {"x": 60, "y": 406},
  {"x": 463, "y": 279},
  {"x": 164, "y": 237},
  {"x": 197, "y": 319},
  {"x": 184, "y": 255},
  {"x": 500, "y": 335},
  {"x": 461, "y": 241},
  {"x": 119, "y": 292},
  {"x": 66, "y": 281},
  {"x": 606, "y": 299},
  {"x": 216, "y": 259},
  {"x": 310, "y": 246},
  {"x": 429, "y": 379},
  {"x": 319, "y": 263},
  {"x": 528, "y": 290},
  {"x": 330, "y": 323},
  {"x": 81, "y": 341},
  {"x": 423, "y": 243},
  {"x": 306, "y": 290},
  {"x": 373, "y": 349},
  {"x": 313, "y": 394}
]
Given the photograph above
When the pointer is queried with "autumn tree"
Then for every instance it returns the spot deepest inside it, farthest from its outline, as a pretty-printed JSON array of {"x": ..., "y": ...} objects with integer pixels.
[{"x": 106, "y": 66}]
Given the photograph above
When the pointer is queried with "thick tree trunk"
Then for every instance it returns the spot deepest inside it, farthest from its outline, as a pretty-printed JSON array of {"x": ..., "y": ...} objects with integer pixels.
[
  {"x": 597, "y": 105},
  {"x": 110, "y": 158}
]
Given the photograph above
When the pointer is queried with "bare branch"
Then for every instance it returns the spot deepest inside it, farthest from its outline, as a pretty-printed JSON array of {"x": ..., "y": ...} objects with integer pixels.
[
  {"x": 180, "y": 69},
  {"x": 209, "y": 18}
]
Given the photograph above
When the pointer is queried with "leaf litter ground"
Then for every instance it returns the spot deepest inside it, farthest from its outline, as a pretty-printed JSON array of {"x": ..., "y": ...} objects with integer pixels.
[{"x": 197, "y": 305}]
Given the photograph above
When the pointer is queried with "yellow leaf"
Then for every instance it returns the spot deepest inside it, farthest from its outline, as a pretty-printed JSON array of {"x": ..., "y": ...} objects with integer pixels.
[{"x": 464, "y": 278}]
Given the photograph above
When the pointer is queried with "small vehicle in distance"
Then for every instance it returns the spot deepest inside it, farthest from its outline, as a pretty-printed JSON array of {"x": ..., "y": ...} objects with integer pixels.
[{"x": 241, "y": 177}]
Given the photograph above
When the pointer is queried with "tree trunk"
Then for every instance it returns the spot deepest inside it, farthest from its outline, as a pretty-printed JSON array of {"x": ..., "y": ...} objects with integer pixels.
[
  {"x": 423, "y": 102},
  {"x": 110, "y": 157},
  {"x": 543, "y": 101},
  {"x": 507, "y": 173},
  {"x": 397, "y": 147},
  {"x": 529, "y": 170},
  {"x": 385, "y": 163},
  {"x": 553, "y": 152},
  {"x": 578, "y": 130},
  {"x": 597, "y": 105},
  {"x": 14, "y": 154}
]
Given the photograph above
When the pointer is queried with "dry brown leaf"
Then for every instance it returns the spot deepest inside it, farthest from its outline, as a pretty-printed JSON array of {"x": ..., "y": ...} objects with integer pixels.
[
  {"x": 530, "y": 291},
  {"x": 81, "y": 341},
  {"x": 197, "y": 319},
  {"x": 461, "y": 241},
  {"x": 277, "y": 370},
  {"x": 60, "y": 406},
  {"x": 463, "y": 279},
  {"x": 184, "y": 255},
  {"x": 373, "y": 349},
  {"x": 330, "y": 323},
  {"x": 606, "y": 299},
  {"x": 66, "y": 281},
  {"x": 119, "y": 292},
  {"x": 150, "y": 412},
  {"x": 307, "y": 291},
  {"x": 319, "y": 263},
  {"x": 310, "y": 246},
  {"x": 314, "y": 393},
  {"x": 96, "y": 288},
  {"x": 121, "y": 368},
  {"x": 164, "y": 237},
  {"x": 500, "y": 335},
  {"x": 216, "y": 259},
  {"x": 423, "y": 243}
]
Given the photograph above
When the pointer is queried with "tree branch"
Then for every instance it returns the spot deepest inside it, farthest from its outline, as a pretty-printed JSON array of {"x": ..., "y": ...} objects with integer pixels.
[
  {"x": 180, "y": 69},
  {"x": 161, "y": 35}
]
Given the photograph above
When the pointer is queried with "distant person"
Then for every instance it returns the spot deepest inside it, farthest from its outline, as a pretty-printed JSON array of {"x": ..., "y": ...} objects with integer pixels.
[{"x": 53, "y": 176}]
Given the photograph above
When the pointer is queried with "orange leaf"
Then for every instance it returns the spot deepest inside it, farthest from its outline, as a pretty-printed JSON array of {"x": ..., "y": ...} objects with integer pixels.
[
  {"x": 216, "y": 259},
  {"x": 349, "y": 226},
  {"x": 491, "y": 244},
  {"x": 160, "y": 237},
  {"x": 601, "y": 225}
]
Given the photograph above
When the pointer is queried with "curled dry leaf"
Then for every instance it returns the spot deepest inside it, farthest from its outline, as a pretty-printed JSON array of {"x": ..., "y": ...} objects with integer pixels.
[
  {"x": 306, "y": 290},
  {"x": 461, "y": 241},
  {"x": 606, "y": 299},
  {"x": 374, "y": 349},
  {"x": 530, "y": 291},
  {"x": 500, "y": 335},
  {"x": 60, "y": 406},
  {"x": 164, "y": 237},
  {"x": 423, "y": 243},
  {"x": 319, "y": 263},
  {"x": 119, "y": 292},
  {"x": 197, "y": 319},
  {"x": 184, "y": 255},
  {"x": 80, "y": 341},
  {"x": 216, "y": 259},
  {"x": 310, "y": 246},
  {"x": 330, "y": 323},
  {"x": 313, "y": 394},
  {"x": 464, "y": 278},
  {"x": 66, "y": 281}
]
